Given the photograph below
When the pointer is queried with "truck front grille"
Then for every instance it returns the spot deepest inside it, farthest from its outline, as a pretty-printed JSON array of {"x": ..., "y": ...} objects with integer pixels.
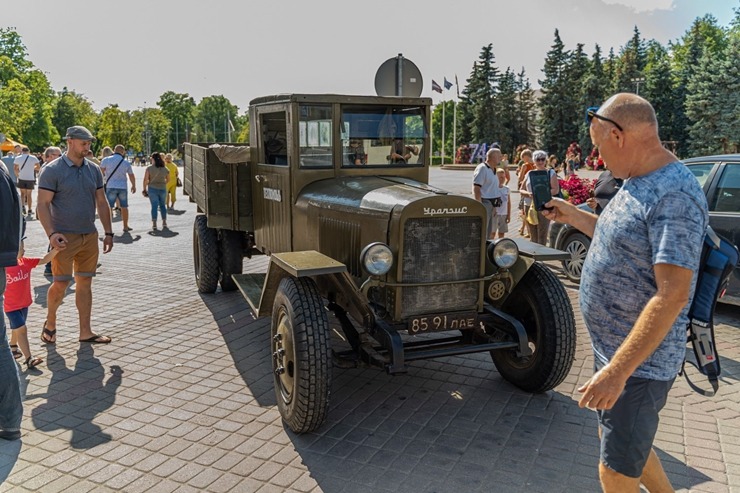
[{"x": 440, "y": 249}]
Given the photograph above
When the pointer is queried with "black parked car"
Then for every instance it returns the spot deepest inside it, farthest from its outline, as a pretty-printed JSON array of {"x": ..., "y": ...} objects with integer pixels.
[{"x": 719, "y": 176}]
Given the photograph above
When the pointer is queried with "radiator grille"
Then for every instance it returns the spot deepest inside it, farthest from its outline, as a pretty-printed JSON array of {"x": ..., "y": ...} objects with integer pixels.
[
  {"x": 340, "y": 240},
  {"x": 440, "y": 249}
]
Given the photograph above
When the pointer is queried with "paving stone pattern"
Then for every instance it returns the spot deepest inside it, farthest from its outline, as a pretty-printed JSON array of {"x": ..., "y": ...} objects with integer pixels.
[{"x": 182, "y": 400}]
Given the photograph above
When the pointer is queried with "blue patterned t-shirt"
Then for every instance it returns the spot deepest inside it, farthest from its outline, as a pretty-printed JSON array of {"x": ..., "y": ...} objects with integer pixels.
[{"x": 659, "y": 218}]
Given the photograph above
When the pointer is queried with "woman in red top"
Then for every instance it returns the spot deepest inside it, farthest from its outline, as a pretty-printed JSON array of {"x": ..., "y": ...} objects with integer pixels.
[{"x": 18, "y": 299}]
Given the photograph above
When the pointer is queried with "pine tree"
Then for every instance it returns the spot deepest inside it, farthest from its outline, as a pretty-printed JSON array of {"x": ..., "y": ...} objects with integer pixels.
[
  {"x": 506, "y": 111},
  {"x": 658, "y": 87},
  {"x": 703, "y": 108},
  {"x": 556, "y": 120},
  {"x": 630, "y": 64},
  {"x": 483, "y": 125},
  {"x": 526, "y": 114},
  {"x": 593, "y": 93}
]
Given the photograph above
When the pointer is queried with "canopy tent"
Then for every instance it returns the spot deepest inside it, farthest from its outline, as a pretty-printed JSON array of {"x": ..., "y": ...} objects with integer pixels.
[{"x": 8, "y": 145}]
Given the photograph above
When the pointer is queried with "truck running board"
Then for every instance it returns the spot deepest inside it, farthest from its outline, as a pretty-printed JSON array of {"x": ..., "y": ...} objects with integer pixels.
[{"x": 251, "y": 287}]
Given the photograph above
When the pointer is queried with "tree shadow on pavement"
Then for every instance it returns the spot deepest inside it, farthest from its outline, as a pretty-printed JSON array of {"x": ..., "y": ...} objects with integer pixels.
[{"x": 75, "y": 397}]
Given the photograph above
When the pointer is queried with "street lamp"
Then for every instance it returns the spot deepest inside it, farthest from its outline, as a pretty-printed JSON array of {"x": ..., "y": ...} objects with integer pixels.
[{"x": 637, "y": 81}]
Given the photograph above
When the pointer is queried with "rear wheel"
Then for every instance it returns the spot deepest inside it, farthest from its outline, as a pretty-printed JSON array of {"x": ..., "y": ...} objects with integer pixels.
[
  {"x": 541, "y": 304},
  {"x": 577, "y": 246},
  {"x": 231, "y": 258},
  {"x": 205, "y": 255},
  {"x": 301, "y": 354}
]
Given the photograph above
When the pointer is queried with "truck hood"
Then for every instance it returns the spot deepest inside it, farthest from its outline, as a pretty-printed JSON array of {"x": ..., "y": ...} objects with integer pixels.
[{"x": 370, "y": 193}]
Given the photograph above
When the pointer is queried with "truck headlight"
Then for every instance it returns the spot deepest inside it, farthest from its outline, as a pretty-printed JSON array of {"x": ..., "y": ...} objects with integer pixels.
[
  {"x": 377, "y": 258},
  {"x": 503, "y": 252}
]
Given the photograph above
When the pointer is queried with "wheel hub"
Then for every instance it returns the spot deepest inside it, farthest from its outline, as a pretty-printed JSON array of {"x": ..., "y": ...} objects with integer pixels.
[{"x": 283, "y": 358}]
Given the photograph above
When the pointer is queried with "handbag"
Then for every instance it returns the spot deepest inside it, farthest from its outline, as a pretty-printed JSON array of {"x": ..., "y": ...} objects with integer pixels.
[
  {"x": 532, "y": 215},
  {"x": 179, "y": 182}
]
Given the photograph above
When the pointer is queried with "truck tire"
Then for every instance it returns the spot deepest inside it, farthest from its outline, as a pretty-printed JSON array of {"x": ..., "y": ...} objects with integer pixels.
[
  {"x": 541, "y": 304},
  {"x": 301, "y": 354},
  {"x": 205, "y": 255},
  {"x": 577, "y": 245},
  {"x": 231, "y": 258}
]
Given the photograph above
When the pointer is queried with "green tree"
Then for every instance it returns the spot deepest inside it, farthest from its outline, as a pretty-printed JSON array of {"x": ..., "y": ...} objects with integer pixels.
[
  {"x": 557, "y": 122},
  {"x": 526, "y": 113},
  {"x": 16, "y": 109},
  {"x": 41, "y": 131},
  {"x": 704, "y": 33},
  {"x": 630, "y": 64},
  {"x": 659, "y": 86},
  {"x": 211, "y": 118},
  {"x": 593, "y": 93},
  {"x": 114, "y": 128},
  {"x": 506, "y": 111},
  {"x": 150, "y": 128},
  {"x": 476, "y": 114},
  {"x": 11, "y": 46},
  {"x": 179, "y": 108},
  {"x": 73, "y": 109},
  {"x": 449, "y": 108}
]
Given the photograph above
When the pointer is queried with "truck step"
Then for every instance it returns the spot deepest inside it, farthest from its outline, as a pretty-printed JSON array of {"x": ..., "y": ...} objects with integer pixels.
[{"x": 251, "y": 287}]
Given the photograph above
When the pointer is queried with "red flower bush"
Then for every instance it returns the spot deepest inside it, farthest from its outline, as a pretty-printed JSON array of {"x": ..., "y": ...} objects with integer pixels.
[{"x": 576, "y": 190}]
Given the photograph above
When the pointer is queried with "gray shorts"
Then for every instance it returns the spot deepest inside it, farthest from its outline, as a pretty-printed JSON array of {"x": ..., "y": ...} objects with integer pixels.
[
  {"x": 499, "y": 224},
  {"x": 628, "y": 429}
]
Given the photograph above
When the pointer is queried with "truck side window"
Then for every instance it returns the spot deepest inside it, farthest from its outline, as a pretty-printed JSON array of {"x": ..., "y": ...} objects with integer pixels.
[
  {"x": 315, "y": 135},
  {"x": 274, "y": 138}
]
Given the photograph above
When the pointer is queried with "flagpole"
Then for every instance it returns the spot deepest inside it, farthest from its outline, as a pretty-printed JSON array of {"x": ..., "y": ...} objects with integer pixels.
[
  {"x": 454, "y": 129},
  {"x": 443, "y": 132}
]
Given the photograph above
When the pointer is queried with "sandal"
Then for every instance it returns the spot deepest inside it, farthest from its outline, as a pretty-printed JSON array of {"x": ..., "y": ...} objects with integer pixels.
[
  {"x": 16, "y": 353},
  {"x": 96, "y": 339},
  {"x": 33, "y": 362},
  {"x": 49, "y": 333}
]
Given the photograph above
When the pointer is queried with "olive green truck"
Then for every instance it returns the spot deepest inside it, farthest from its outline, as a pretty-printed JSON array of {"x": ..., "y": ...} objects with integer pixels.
[{"x": 335, "y": 190}]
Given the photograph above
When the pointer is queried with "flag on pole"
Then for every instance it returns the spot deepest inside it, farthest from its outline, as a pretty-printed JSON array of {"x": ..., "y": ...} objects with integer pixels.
[
  {"x": 457, "y": 87},
  {"x": 231, "y": 125},
  {"x": 448, "y": 84},
  {"x": 436, "y": 87}
]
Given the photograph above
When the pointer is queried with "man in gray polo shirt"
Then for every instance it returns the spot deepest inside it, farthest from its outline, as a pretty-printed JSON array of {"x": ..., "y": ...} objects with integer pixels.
[{"x": 70, "y": 190}]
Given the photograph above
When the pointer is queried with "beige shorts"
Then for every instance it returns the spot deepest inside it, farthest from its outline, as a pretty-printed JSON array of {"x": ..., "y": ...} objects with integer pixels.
[
  {"x": 80, "y": 258},
  {"x": 499, "y": 224}
]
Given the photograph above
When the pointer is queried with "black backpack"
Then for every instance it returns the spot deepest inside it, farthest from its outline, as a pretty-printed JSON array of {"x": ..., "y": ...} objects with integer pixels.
[{"x": 719, "y": 257}]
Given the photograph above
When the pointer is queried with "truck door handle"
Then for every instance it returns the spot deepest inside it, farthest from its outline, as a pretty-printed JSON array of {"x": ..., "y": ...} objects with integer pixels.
[{"x": 260, "y": 178}]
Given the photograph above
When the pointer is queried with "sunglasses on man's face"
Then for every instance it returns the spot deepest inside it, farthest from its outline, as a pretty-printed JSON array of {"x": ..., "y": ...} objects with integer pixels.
[{"x": 591, "y": 113}]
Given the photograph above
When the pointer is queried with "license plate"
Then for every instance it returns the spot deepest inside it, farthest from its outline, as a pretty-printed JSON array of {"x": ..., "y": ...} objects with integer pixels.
[{"x": 442, "y": 321}]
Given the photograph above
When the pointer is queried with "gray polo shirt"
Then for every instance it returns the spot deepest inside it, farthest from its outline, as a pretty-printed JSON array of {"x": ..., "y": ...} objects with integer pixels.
[{"x": 74, "y": 187}]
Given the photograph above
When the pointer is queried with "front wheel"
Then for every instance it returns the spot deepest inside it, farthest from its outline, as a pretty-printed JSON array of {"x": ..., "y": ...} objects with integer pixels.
[
  {"x": 301, "y": 354},
  {"x": 577, "y": 246},
  {"x": 541, "y": 304}
]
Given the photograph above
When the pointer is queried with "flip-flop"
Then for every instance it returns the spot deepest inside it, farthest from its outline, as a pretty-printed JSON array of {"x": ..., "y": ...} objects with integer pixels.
[
  {"x": 33, "y": 362},
  {"x": 50, "y": 333},
  {"x": 96, "y": 339},
  {"x": 16, "y": 353}
]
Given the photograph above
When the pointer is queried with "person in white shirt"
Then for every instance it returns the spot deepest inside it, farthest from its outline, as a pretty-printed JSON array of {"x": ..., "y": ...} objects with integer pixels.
[
  {"x": 26, "y": 166},
  {"x": 502, "y": 213},
  {"x": 485, "y": 186}
]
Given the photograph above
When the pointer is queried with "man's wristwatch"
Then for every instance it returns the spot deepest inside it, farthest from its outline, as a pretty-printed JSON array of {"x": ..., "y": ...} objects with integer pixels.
[{"x": 109, "y": 234}]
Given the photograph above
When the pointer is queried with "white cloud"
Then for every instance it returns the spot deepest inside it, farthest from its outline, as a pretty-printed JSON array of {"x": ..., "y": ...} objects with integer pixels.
[{"x": 644, "y": 5}]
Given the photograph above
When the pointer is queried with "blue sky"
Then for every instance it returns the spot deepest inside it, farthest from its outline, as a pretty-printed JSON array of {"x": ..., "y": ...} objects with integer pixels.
[{"x": 131, "y": 52}]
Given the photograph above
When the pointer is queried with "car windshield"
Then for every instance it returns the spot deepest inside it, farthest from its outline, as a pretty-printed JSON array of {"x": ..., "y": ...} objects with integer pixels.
[{"x": 382, "y": 136}]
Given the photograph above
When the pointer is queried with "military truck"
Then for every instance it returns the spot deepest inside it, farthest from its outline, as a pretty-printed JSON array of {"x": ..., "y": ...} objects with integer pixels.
[{"x": 335, "y": 190}]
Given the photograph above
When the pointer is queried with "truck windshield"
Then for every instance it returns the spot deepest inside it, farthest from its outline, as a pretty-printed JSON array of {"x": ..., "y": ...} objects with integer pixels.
[{"x": 382, "y": 135}]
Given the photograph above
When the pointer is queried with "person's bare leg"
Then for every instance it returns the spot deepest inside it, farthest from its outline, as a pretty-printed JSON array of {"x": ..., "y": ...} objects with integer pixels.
[
  {"x": 83, "y": 300},
  {"x": 124, "y": 216},
  {"x": 654, "y": 477},
  {"x": 54, "y": 298},
  {"x": 22, "y": 335},
  {"x": 614, "y": 482}
]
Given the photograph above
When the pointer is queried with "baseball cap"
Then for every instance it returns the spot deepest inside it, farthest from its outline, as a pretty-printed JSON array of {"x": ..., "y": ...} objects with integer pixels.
[{"x": 78, "y": 132}]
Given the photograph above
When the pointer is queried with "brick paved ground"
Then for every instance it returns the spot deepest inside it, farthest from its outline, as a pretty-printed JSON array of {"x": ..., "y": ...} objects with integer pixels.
[{"x": 182, "y": 400}]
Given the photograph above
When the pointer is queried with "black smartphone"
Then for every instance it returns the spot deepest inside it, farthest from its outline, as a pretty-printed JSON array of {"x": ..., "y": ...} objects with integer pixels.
[{"x": 540, "y": 181}]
